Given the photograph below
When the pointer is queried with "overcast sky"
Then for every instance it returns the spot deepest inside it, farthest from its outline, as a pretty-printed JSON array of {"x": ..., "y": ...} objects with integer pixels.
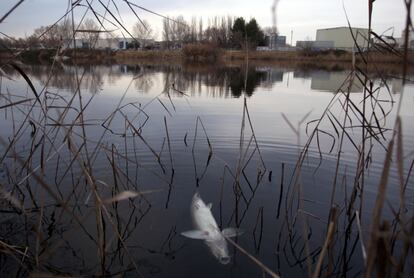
[{"x": 302, "y": 17}]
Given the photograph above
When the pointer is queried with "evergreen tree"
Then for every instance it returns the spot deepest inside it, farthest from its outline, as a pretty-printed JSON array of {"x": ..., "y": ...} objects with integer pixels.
[
  {"x": 238, "y": 32},
  {"x": 254, "y": 34},
  {"x": 250, "y": 32}
]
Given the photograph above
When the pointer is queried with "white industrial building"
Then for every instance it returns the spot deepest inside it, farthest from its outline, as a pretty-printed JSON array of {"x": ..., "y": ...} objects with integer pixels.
[
  {"x": 345, "y": 38},
  {"x": 110, "y": 43}
]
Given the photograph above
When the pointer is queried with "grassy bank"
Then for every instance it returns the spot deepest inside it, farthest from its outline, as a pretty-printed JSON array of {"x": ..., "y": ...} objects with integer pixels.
[
  {"x": 325, "y": 58},
  {"x": 332, "y": 61},
  {"x": 266, "y": 56},
  {"x": 313, "y": 56},
  {"x": 155, "y": 55},
  {"x": 385, "y": 63}
]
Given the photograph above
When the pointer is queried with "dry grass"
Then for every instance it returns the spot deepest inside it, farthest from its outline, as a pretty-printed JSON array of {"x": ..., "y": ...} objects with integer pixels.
[
  {"x": 163, "y": 55},
  {"x": 316, "y": 57}
]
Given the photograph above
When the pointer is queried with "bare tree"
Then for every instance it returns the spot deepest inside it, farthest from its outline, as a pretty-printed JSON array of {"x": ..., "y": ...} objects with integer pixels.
[
  {"x": 89, "y": 31},
  {"x": 212, "y": 34},
  {"x": 55, "y": 36},
  {"x": 143, "y": 32},
  {"x": 200, "y": 29},
  {"x": 229, "y": 25},
  {"x": 32, "y": 42},
  {"x": 180, "y": 30},
  {"x": 47, "y": 36},
  {"x": 166, "y": 32},
  {"x": 193, "y": 29},
  {"x": 219, "y": 30},
  {"x": 176, "y": 31}
]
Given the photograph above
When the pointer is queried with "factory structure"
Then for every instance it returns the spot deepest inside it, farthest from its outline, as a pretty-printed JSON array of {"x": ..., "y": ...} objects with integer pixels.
[
  {"x": 275, "y": 40},
  {"x": 343, "y": 38},
  {"x": 351, "y": 39},
  {"x": 111, "y": 43}
]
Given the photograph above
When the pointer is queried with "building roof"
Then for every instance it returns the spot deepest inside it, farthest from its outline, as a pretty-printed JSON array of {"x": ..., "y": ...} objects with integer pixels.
[{"x": 342, "y": 27}]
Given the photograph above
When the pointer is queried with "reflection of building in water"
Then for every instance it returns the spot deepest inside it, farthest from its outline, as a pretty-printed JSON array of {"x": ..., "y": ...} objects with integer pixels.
[
  {"x": 396, "y": 85},
  {"x": 123, "y": 69},
  {"x": 302, "y": 74},
  {"x": 333, "y": 81},
  {"x": 271, "y": 75},
  {"x": 330, "y": 81}
]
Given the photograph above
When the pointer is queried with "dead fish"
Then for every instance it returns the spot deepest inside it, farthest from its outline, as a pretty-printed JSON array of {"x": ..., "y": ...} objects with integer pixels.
[{"x": 208, "y": 230}]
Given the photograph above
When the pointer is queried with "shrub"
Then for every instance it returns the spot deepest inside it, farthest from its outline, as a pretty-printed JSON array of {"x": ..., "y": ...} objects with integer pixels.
[{"x": 201, "y": 52}]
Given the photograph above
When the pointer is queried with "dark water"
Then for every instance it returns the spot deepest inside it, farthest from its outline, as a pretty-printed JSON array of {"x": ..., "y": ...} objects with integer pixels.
[{"x": 168, "y": 132}]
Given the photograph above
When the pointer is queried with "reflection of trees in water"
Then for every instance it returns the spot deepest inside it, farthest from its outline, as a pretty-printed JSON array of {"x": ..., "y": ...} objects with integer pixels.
[
  {"x": 216, "y": 82},
  {"x": 144, "y": 83},
  {"x": 142, "y": 75},
  {"x": 92, "y": 79},
  {"x": 113, "y": 74},
  {"x": 246, "y": 81},
  {"x": 89, "y": 78},
  {"x": 211, "y": 81},
  {"x": 194, "y": 80}
]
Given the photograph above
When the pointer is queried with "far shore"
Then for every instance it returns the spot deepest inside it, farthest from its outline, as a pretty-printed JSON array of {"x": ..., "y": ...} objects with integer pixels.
[
  {"x": 330, "y": 60},
  {"x": 270, "y": 56}
]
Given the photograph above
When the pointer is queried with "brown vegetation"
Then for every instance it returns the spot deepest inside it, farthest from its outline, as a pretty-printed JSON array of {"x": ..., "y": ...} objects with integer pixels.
[
  {"x": 315, "y": 56},
  {"x": 209, "y": 53},
  {"x": 130, "y": 55},
  {"x": 201, "y": 52}
]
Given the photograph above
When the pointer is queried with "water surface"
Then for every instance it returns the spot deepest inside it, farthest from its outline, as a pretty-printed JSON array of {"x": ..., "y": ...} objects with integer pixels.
[{"x": 230, "y": 133}]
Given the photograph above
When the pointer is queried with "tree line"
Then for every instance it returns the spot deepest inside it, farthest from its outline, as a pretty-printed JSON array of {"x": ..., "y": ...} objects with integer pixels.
[
  {"x": 223, "y": 32},
  {"x": 53, "y": 36}
]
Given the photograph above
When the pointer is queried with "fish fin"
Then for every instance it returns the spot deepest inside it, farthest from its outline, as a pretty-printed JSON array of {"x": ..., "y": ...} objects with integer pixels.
[
  {"x": 196, "y": 234},
  {"x": 210, "y": 205},
  {"x": 231, "y": 232}
]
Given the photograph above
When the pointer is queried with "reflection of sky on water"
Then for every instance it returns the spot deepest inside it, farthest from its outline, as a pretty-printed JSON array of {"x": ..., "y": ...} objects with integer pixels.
[
  {"x": 211, "y": 90},
  {"x": 218, "y": 81}
]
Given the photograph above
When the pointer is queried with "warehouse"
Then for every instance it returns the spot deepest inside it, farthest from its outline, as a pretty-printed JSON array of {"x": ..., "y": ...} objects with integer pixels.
[{"x": 342, "y": 37}]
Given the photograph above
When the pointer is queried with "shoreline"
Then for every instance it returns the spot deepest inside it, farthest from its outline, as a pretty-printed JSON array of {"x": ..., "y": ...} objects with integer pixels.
[
  {"x": 329, "y": 60},
  {"x": 270, "y": 56}
]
